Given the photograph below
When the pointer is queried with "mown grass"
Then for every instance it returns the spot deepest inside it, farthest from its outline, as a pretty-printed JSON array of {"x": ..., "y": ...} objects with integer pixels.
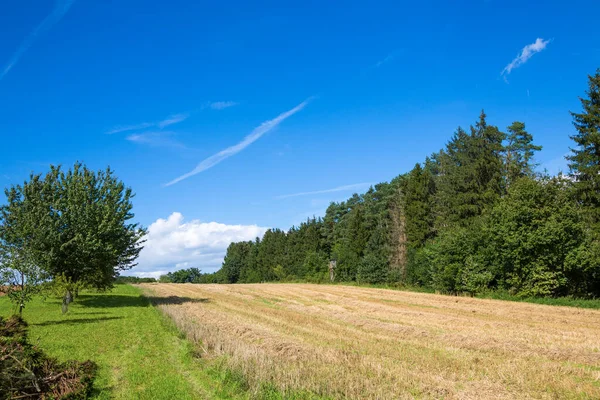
[
  {"x": 140, "y": 353},
  {"x": 495, "y": 295},
  {"x": 362, "y": 343},
  {"x": 550, "y": 301}
]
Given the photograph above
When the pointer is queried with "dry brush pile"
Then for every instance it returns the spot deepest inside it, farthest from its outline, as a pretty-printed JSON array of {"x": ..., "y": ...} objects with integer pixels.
[
  {"x": 27, "y": 373},
  {"x": 348, "y": 342}
]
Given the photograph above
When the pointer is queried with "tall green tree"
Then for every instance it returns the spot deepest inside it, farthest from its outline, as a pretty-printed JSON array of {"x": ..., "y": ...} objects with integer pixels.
[
  {"x": 470, "y": 174},
  {"x": 535, "y": 232},
  {"x": 75, "y": 225},
  {"x": 235, "y": 259},
  {"x": 585, "y": 157},
  {"x": 519, "y": 152},
  {"x": 418, "y": 192}
]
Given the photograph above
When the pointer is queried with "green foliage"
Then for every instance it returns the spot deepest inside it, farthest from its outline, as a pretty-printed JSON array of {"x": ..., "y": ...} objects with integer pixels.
[
  {"x": 519, "y": 153},
  {"x": 347, "y": 261},
  {"x": 133, "y": 279},
  {"x": 66, "y": 288},
  {"x": 279, "y": 273},
  {"x": 316, "y": 267},
  {"x": 74, "y": 224},
  {"x": 372, "y": 270},
  {"x": 21, "y": 277},
  {"x": 475, "y": 217},
  {"x": 192, "y": 275},
  {"x": 470, "y": 178},
  {"x": 419, "y": 189},
  {"x": 533, "y": 231},
  {"x": 585, "y": 157},
  {"x": 453, "y": 257}
]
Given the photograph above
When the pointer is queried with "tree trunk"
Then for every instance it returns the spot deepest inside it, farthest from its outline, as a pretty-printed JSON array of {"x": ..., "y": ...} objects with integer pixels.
[
  {"x": 21, "y": 302},
  {"x": 68, "y": 298}
]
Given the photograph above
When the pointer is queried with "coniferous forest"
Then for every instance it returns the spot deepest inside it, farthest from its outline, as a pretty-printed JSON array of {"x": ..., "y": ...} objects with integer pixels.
[{"x": 476, "y": 216}]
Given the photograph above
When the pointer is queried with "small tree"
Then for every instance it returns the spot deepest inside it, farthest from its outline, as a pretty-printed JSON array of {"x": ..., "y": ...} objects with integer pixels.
[
  {"x": 74, "y": 225},
  {"x": 21, "y": 277}
]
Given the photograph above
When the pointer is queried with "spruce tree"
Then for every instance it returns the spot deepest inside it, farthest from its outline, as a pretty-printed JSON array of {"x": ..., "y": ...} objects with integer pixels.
[
  {"x": 417, "y": 197},
  {"x": 585, "y": 158}
]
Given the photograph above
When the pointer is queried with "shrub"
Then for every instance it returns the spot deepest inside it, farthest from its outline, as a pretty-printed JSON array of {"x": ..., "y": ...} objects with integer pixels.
[{"x": 372, "y": 270}]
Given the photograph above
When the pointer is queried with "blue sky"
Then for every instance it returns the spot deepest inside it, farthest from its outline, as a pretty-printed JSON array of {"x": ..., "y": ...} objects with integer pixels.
[{"x": 270, "y": 99}]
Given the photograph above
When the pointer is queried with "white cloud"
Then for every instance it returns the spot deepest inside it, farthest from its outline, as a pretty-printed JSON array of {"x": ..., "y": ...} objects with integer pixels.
[
  {"x": 527, "y": 52},
  {"x": 220, "y": 105},
  {"x": 388, "y": 58},
  {"x": 59, "y": 10},
  {"x": 173, "y": 119},
  {"x": 355, "y": 186},
  {"x": 156, "y": 139},
  {"x": 173, "y": 244},
  {"x": 152, "y": 274},
  {"x": 248, "y": 140}
]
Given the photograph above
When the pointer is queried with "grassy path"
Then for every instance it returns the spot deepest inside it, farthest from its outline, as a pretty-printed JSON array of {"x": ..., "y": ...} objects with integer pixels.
[{"x": 140, "y": 354}]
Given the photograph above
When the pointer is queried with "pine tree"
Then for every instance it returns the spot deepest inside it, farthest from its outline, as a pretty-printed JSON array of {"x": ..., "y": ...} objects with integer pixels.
[
  {"x": 585, "y": 158},
  {"x": 519, "y": 152}
]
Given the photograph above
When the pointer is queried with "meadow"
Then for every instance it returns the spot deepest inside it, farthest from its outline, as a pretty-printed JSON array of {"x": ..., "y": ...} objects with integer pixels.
[
  {"x": 308, "y": 341},
  {"x": 140, "y": 354}
]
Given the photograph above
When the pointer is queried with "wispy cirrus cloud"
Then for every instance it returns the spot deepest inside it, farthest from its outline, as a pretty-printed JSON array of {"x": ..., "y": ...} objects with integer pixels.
[
  {"x": 156, "y": 139},
  {"x": 60, "y": 9},
  {"x": 345, "y": 188},
  {"x": 221, "y": 105},
  {"x": 526, "y": 53},
  {"x": 387, "y": 59},
  {"x": 248, "y": 140},
  {"x": 173, "y": 119}
]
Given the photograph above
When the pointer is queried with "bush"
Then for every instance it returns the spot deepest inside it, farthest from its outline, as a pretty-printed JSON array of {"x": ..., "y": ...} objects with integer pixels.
[
  {"x": 26, "y": 372},
  {"x": 133, "y": 279},
  {"x": 372, "y": 270}
]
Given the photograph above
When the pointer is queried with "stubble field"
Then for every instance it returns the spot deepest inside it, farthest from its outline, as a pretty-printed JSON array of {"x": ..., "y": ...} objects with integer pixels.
[{"x": 349, "y": 342}]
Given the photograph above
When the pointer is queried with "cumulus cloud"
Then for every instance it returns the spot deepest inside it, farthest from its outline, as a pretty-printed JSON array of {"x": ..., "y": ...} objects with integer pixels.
[
  {"x": 526, "y": 53},
  {"x": 59, "y": 11},
  {"x": 248, "y": 140},
  {"x": 173, "y": 244}
]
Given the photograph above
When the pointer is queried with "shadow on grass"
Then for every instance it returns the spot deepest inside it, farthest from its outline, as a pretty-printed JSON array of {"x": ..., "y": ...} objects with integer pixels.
[
  {"x": 76, "y": 321},
  {"x": 117, "y": 300}
]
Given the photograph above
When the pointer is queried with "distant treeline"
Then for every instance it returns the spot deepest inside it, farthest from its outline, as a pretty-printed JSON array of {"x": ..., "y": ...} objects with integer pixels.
[
  {"x": 133, "y": 279},
  {"x": 473, "y": 217}
]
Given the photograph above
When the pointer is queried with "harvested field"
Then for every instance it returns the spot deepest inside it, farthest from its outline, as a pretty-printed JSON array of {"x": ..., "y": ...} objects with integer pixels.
[{"x": 349, "y": 342}]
